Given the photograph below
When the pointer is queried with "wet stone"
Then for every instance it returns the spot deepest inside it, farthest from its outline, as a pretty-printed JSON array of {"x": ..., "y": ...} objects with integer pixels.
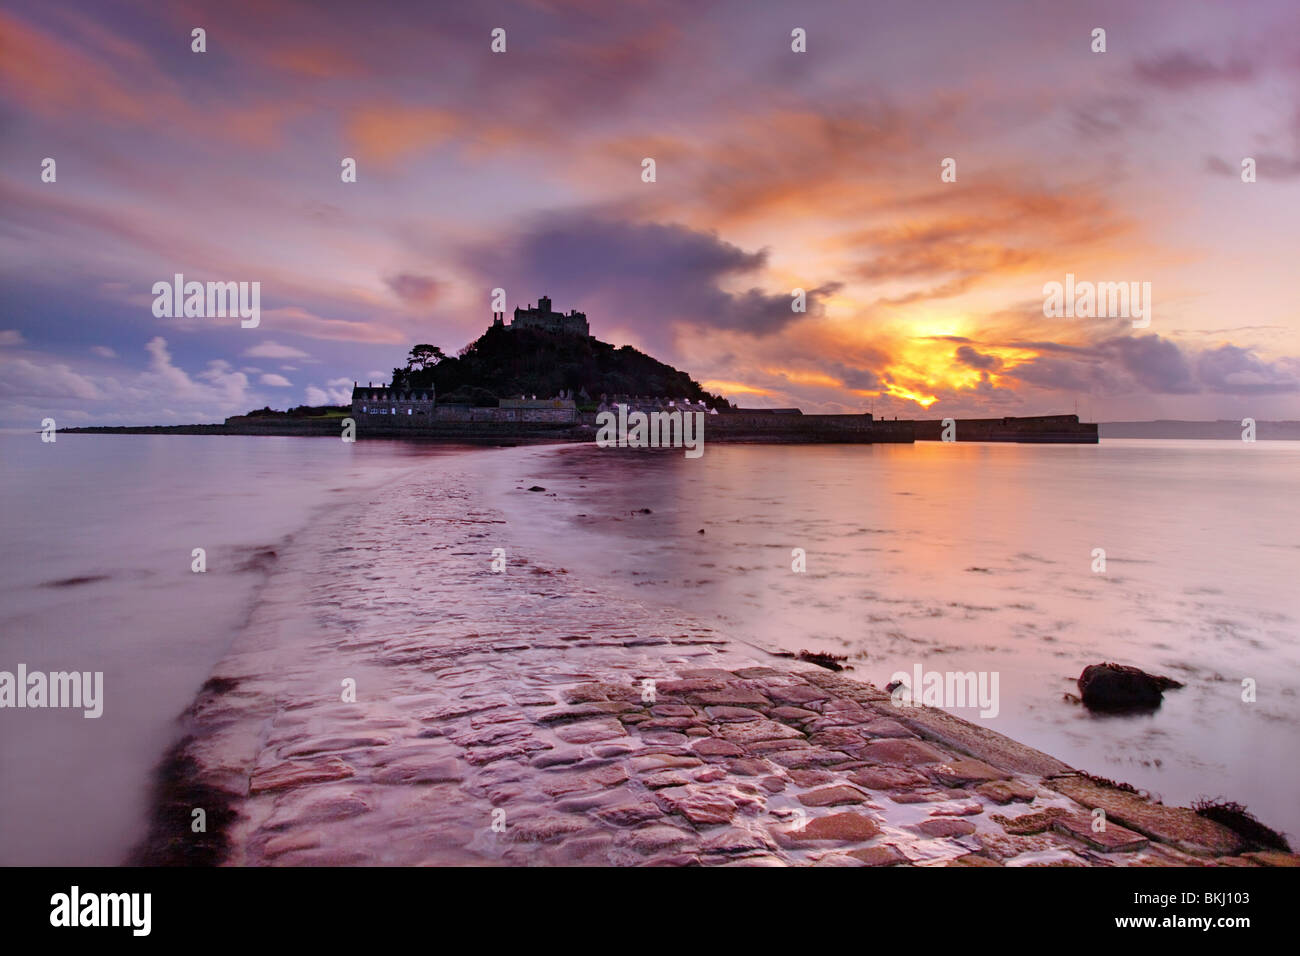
[
  {"x": 590, "y": 731},
  {"x": 944, "y": 827},
  {"x": 278, "y": 846},
  {"x": 482, "y": 756},
  {"x": 808, "y": 757},
  {"x": 754, "y": 731},
  {"x": 1273, "y": 858},
  {"x": 772, "y": 784},
  {"x": 546, "y": 827},
  {"x": 905, "y": 753},
  {"x": 793, "y": 713},
  {"x": 833, "y": 796},
  {"x": 584, "y": 802},
  {"x": 495, "y": 734},
  {"x": 1181, "y": 827},
  {"x": 558, "y": 757},
  {"x": 1007, "y": 791},
  {"x": 664, "y": 687},
  {"x": 340, "y": 742},
  {"x": 708, "y": 673},
  {"x": 888, "y": 778},
  {"x": 420, "y": 770},
  {"x": 297, "y": 808},
  {"x": 736, "y": 840},
  {"x": 665, "y": 778},
  {"x": 712, "y": 747},
  {"x": 885, "y": 727},
  {"x": 732, "y": 715},
  {"x": 749, "y": 766},
  {"x": 664, "y": 737},
  {"x": 755, "y": 673},
  {"x": 797, "y": 694},
  {"x": 664, "y": 723},
  {"x": 584, "y": 849},
  {"x": 299, "y": 773},
  {"x": 557, "y": 783},
  {"x": 630, "y": 814},
  {"x": 878, "y": 856},
  {"x": 1112, "y": 839},
  {"x": 811, "y": 778},
  {"x": 611, "y": 750},
  {"x": 653, "y": 839},
  {"x": 672, "y": 710},
  {"x": 837, "y": 738},
  {"x": 842, "y": 827},
  {"x": 772, "y": 746},
  {"x": 734, "y": 697},
  {"x": 650, "y": 763},
  {"x": 697, "y": 805},
  {"x": 958, "y": 773},
  {"x": 1029, "y": 823}
]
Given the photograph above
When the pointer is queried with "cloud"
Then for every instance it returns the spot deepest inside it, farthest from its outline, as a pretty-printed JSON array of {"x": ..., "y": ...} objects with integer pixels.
[
  {"x": 643, "y": 275},
  {"x": 966, "y": 355},
  {"x": 278, "y": 381},
  {"x": 1156, "y": 364},
  {"x": 1183, "y": 70},
  {"x": 103, "y": 351},
  {"x": 25, "y": 379},
  {"x": 11, "y": 337},
  {"x": 338, "y": 392},
  {"x": 1235, "y": 370},
  {"x": 274, "y": 350},
  {"x": 414, "y": 289}
]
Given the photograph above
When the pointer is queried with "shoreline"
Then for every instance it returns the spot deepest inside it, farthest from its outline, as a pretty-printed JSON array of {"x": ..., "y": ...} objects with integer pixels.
[{"x": 542, "y": 729}]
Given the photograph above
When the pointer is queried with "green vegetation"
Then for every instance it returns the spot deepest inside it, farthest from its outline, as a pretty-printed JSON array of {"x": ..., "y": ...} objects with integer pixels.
[
  {"x": 301, "y": 411},
  {"x": 506, "y": 363}
]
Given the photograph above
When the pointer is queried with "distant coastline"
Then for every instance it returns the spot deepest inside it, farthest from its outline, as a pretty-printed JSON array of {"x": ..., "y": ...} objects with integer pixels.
[
  {"x": 328, "y": 427},
  {"x": 739, "y": 426}
]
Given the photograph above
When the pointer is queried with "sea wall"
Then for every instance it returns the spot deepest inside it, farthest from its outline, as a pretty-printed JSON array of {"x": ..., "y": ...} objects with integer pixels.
[
  {"x": 804, "y": 428},
  {"x": 1040, "y": 429}
]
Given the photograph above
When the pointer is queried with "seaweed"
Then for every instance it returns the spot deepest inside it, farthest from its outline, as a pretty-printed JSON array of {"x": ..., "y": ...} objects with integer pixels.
[
  {"x": 1242, "y": 822},
  {"x": 832, "y": 662},
  {"x": 177, "y": 793}
]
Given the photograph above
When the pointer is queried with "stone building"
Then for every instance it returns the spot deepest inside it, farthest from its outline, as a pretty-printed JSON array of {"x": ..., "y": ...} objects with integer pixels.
[
  {"x": 388, "y": 407},
  {"x": 560, "y": 410},
  {"x": 651, "y": 403},
  {"x": 371, "y": 402},
  {"x": 543, "y": 318}
]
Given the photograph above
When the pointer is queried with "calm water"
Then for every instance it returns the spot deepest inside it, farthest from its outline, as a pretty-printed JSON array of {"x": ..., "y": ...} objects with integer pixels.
[
  {"x": 95, "y": 576},
  {"x": 954, "y": 557},
  {"x": 975, "y": 557}
]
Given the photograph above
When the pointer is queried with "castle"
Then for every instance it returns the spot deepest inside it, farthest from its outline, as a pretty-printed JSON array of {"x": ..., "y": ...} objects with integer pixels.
[{"x": 574, "y": 323}]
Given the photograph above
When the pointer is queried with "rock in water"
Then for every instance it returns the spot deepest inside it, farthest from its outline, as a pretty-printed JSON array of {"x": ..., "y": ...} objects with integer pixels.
[{"x": 1117, "y": 687}]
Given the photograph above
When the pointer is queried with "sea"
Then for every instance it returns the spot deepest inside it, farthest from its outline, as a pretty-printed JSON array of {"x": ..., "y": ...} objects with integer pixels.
[{"x": 1020, "y": 564}]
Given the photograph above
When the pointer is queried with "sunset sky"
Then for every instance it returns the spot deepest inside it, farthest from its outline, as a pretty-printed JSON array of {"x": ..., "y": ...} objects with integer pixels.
[{"x": 775, "y": 170}]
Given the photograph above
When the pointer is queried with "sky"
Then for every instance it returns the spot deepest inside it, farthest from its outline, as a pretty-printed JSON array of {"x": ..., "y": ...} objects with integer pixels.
[{"x": 775, "y": 170}]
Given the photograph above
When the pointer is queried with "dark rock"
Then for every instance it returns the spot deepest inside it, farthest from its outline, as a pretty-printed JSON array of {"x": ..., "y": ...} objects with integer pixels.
[{"x": 1118, "y": 687}]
